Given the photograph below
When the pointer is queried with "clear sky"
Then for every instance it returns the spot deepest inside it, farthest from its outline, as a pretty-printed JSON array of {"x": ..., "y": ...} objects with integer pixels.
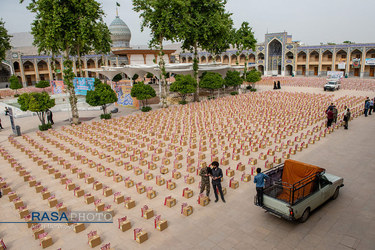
[{"x": 309, "y": 21}]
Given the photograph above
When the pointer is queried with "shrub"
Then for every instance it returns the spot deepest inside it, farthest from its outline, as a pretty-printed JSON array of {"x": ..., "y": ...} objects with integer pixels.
[
  {"x": 106, "y": 116},
  {"x": 45, "y": 127},
  {"x": 248, "y": 87},
  {"x": 234, "y": 93},
  {"x": 253, "y": 90},
  {"x": 146, "y": 109},
  {"x": 182, "y": 102},
  {"x": 211, "y": 98},
  {"x": 16, "y": 95},
  {"x": 42, "y": 84}
]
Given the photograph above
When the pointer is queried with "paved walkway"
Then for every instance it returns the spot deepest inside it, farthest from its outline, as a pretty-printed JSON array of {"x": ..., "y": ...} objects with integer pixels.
[{"x": 346, "y": 223}]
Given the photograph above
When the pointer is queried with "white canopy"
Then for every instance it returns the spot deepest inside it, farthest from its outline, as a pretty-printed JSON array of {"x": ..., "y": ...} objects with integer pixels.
[{"x": 176, "y": 68}]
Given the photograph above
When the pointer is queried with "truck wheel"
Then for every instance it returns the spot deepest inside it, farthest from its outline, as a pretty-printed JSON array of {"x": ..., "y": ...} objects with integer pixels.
[
  {"x": 305, "y": 215},
  {"x": 336, "y": 193}
]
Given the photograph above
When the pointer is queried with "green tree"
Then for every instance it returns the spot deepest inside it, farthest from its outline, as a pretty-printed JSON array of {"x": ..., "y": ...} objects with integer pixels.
[
  {"x": 135, "y": 77},
  {"x": 4, "y": 40},
  {"x": 149, "y": 75},
  {"x": 14, "y": 83},
  {"x": 184, "y": 85},
  {"x": 142, "y": 92},
  {"x": 243, "y": 40},
  {"x": 211, "y": 81},
  {"x": 102, "y": 95},
  {"x": 97, "y": 82},
  {"x": 36, "y": 102},
  {"x": 117, "y": 78},
  {"x": 206, "y": 25},
  {"x": 233, "y": 79},
  {"x": 253, "y": 76},
  {"x": 42, "y": 84},
  {"x": 69, "y": 28},
  {"x": 163, "y": 17},
  {"x": 348, "y": 42}
]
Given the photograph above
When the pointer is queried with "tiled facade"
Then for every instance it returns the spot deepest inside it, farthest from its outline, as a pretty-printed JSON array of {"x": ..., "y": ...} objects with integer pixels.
[{"x": 279, "y": 55}]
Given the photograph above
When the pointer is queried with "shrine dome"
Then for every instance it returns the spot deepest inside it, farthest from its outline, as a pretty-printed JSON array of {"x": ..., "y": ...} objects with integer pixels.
[{"x": 120, "y": 33}]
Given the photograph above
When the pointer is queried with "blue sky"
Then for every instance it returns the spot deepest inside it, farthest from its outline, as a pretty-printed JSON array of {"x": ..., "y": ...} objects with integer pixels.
[{"x": 311, "y": 22}]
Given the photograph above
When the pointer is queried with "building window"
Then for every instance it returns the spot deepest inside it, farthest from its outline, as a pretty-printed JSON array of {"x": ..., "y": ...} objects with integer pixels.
[
  {"x": 330, "y": 56},
  {"x": 304, "y": 57},
  {"x": 372, "y": 55},
  {"x": 343, "y": 56}
]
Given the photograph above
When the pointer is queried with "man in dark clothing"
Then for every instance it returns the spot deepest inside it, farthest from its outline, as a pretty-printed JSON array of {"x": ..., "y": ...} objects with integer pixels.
[
  {"x": 274, "y": 85},
  {"x": 329, "y": 117},
  {"x": 329, "y": 107},
  {"x": 278, "y": 85},
  {"x": 205, "y": 173},
  {"x": 217, "y": 174},
  {"x": 367, "y": 106},
  {"x": 49, "y": 116},
  {"x": 259, "y": 184}
]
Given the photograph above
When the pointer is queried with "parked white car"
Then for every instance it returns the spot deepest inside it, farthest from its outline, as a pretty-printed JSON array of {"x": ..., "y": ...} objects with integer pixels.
[{"x": 332, "y": 85}]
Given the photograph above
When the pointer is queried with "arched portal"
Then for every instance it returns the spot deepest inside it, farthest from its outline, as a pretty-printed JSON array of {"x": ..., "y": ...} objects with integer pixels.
[
  {"x": 275, "y": 50},
  {"x": 225, "y": 59},
  {"x": 4, "y": 73},
  {"x": 289, "y": 70},
  {"x": 261, "y": 69},
  {"x": 218, "y": 58}
]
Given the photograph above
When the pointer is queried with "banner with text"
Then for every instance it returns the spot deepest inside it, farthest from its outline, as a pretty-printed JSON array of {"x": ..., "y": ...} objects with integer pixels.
[{"x": 83, "y": 84}]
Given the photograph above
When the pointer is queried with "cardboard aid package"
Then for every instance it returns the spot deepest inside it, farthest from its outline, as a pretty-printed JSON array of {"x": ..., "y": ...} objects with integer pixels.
[
  {"x": 93, "y": 239},
  {"x": 139, "y": 235},
  {"x": 160, "y": 224},
  {"x": 124, "y": 224},
  {"x": 147, "y": 213},
  {"x": 186, "y": 210},
  {"x": 169, "y": 201},
  {"x": 203, "y": 200}
]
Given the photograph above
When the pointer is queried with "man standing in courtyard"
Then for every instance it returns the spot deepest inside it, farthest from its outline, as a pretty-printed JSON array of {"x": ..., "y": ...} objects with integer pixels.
[
  {"x": 367, "y": 106},
  {"x": 334, "y": 111},
  {"x": 205, "y": 173},
  {"x": 217, "y": 174},
  {"x": 259, "y": 185},
  {"x": 346, "y": 118},
  {"x": 371, "y": 106},
  {"x": 329, "y": 117},
  {"x": 49, "y": 117}
]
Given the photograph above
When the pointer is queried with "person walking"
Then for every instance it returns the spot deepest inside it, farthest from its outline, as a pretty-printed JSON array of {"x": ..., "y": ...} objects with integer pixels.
[
  {"x": 329, "y": 117},
  {"x": 346, "y": 118},
  {"x": 371, "y": 106},
  {"x": 205, "y": 174},
  {"x": 367, "y": 106},
  {"x": 6, "y": 111},
  {"x": 274, "y": 85},
  {"x": 334, "y": 111},
  {"x": 49, "y": 117},
  {"x": 259, "y": 185},
  {"x": 217, "y": 174},
  {"x": 278, "y": 85},
  {"x": 1, "y": 126}
]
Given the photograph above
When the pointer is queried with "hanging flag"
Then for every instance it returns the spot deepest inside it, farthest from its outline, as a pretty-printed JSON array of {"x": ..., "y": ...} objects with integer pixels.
[{"x": 117, "y": 4}]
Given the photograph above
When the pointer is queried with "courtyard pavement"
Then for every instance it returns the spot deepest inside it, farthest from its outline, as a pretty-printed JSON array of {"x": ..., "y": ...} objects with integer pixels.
[{"x": 346, "y": 223}]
